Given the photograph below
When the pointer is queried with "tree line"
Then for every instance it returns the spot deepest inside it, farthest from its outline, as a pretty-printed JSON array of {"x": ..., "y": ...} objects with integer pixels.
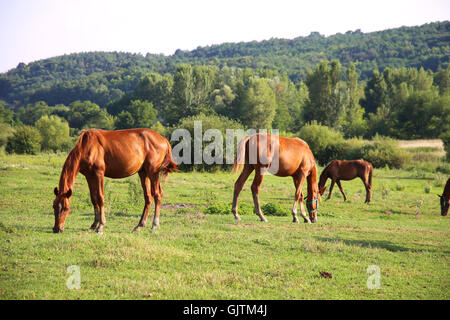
[
  {"x": 103, "y": 77},
  {"x": 401, "y": 103}
]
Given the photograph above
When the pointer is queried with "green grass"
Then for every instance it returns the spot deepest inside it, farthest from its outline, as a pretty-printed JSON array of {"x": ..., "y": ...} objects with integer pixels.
[{"x": 194, "y": 255}]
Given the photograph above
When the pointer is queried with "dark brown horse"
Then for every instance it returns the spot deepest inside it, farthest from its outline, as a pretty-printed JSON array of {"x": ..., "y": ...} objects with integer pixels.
[
  {"x": 339, "y": 170},
  {"x": 114, "y": 154},
  {"x": 445, "y": 199},
  {"x": 283, "y": 157}
]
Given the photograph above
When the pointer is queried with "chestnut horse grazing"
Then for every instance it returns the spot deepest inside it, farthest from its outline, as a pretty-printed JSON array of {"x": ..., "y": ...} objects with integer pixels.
[
  {"x": 339, "y": 170},
  {"x": 445, "y": 199},
  {"x": 114, "y": 154},
  {"x": 283, "y": 157}
]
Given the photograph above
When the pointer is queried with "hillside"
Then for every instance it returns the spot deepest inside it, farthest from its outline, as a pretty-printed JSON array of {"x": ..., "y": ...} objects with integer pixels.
[{"x": 105, "y": 76}]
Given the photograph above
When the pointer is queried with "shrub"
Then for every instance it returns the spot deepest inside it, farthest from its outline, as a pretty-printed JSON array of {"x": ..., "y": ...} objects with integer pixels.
[
  {"x": 325, "y": 143},
  {"x": 225, "y": 208},
  {"x": 26, "y": 139},
  {"x": 54, "y": 132},
  {"x": 273, "y": 209},
  {"x": 382, "y": 152},
  {"x": 445, "y": 137},
  {"x": 220, "y": 123}
]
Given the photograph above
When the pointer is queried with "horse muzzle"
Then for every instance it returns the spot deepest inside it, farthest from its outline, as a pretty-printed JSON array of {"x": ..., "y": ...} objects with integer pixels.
[{"x": 58, "y": 230}]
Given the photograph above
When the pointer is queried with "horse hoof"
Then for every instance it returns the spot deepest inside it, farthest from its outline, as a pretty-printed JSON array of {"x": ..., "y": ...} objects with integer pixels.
[
  {"x": 237, "y": 217},
  {"x": 136, "y": 229},
  {"x": 295, "y": 221}
]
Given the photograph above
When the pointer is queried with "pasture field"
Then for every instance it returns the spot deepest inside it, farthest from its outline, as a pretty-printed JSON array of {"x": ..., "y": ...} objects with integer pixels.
[{"x": 194, "y": 255}]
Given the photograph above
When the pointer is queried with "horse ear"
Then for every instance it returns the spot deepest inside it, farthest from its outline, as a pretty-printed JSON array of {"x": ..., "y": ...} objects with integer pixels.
[
  {"x": 55, "y": 191},
  {"x": 321, "y": 191},
  {"x": 68, "y": 193},
  {"x": 439, "y": 195}
]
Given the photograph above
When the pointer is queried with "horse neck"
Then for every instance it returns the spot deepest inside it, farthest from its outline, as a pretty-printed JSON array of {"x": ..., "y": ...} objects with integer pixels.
[
  {"x": 323, "y": 177},
  {"x": 70, "y": 170},
  {"x": 312, "y": 183}
]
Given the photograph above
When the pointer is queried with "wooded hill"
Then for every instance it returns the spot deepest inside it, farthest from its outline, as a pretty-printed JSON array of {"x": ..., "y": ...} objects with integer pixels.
[{"x": 102, "y": 77}]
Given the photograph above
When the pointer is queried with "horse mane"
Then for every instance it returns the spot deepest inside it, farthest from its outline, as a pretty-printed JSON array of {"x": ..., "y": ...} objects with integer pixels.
[
  {"x": 312, "y": 180},
  {"x": 71, "y": 165}
]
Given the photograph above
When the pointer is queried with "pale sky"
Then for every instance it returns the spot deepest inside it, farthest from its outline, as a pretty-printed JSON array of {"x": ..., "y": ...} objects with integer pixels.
[{"x": 37, "y": 29}]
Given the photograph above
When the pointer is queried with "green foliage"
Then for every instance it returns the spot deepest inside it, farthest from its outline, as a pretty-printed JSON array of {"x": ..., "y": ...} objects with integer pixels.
[
  {"x": 445, "y": 137},
  {"x": 273, "y": 209},
  {"x": 382, "y": 152},
  {"x": 220, "y": 123},
  {"x": 54, "y": 132},
  {"x": 326, "y": 144},
  {"x": 139, "y": 114},
  {"x": 25, "y": 140},
  {"x": 6, "y": 131},
  {"x": 87, "y": 115},
  {"x": 258, "y": 105}
]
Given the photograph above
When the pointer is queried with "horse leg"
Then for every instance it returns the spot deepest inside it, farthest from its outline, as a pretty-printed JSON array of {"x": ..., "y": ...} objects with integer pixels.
[
  {"x": 145, "y": 183},
  {"x": 238, "y": 188},
  {"x": 157, "y": 196},
  {"x": 342, "y": 190},
  {"x": 256, "y": 185},
  {"x": 302, "y": 207},
  {"x": 96, "y": 188},
  {"x": 367, "y": 186},
  {"x": 92, "y": 188},
  {"x": 331, "y": 188},
  {"x": 100, "y": 202},
  {"x": 296, "y": 198}
]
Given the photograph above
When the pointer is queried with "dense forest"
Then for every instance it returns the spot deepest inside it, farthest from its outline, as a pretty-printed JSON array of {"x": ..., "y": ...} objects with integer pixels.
[{"x": 392, "y": 83}]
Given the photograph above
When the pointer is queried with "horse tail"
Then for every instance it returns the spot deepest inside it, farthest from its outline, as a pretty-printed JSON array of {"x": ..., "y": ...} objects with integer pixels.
[
  {"x": 168, "y": 165},
  {"x": 239, "y": 161}
]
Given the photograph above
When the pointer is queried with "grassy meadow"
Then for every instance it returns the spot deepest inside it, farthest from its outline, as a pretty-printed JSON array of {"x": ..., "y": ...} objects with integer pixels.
[{"x": 196, "y": 255}]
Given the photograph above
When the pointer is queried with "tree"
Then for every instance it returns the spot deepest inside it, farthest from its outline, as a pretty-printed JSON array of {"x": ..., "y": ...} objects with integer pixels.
[
  {"x": 6, "y": 115},
  {"x": 139, "y": 114},
  {"x": 258, "y": 105},
  {"x": 54, "y": 132},
  {"x": 86, "y": 114},
  {"x": 326, "y": 94},
  {"x": 353, "y": 123},
  {"x": 26, "y": 139},
  {"x": 375, "y": 93}
]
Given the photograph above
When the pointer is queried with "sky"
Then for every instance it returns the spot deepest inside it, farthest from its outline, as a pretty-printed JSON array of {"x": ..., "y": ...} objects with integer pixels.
[{"x": 31, "y": 30}]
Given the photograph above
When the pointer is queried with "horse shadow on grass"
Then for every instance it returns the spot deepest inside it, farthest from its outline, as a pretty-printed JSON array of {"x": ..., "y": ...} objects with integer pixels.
[{"x": 379, "y": 244}]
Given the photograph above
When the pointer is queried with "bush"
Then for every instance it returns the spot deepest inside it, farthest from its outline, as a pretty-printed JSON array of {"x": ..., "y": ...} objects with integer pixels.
[
  {"x": 325, "y": 143},
  {"x": 54, "y": 132},
  {"x": 220, "y": 123},
  {"x": 273, "y": 209},
  {"x": 26, "y": 139},
  {"x": 445, "y": 137},
  {"x": 225, "y": 208},
  {"x": 382, "y": 152}
]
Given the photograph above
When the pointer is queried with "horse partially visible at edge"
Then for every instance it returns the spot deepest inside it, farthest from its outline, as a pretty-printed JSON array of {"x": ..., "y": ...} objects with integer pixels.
[
  {"x": 114, "y": 154},
  {"x": 445, "y": 199},
  {"x": 339, "y": 170},
  {"x": 295, "y": 159}
]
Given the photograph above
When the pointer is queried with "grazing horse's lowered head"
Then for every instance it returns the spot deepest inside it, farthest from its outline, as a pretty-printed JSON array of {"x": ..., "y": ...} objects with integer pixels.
[
  {"x": 445, "y": 199},
  {"x": 61, "y": 208}
]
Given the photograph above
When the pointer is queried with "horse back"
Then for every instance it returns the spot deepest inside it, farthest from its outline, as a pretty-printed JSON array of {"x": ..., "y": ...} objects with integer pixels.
[{"x": 121, "y": 153}]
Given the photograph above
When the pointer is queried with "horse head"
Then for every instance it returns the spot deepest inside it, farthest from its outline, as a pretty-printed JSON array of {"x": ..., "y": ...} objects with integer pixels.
[
  {"x": 445, "y": 204},
  {"x": 61, "y": 208}
]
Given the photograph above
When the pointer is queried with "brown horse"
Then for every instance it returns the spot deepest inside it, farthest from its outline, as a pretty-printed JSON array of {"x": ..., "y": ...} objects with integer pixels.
[
  {"x": 339, "y": 170},
  {"x": 285, "y": 157},
  {"x": 114, "y": 154},
  {"x": 445, "y": 199}
]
